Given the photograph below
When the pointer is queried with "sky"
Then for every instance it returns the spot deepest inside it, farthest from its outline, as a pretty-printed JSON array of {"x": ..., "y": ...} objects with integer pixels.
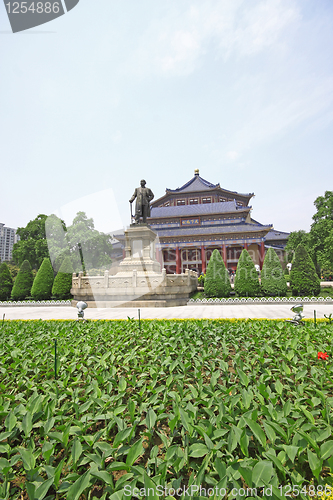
[{"x": 113, "y": 92}]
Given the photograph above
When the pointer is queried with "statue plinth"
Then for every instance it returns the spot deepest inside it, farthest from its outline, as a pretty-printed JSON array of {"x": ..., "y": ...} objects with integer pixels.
[
  {"x": 140, "y": 250},
  {"x": 140, "y": 282}
]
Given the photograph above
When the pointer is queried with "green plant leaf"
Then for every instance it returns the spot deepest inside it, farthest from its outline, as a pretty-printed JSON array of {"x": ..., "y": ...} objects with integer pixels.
[
  {"x": 27, "y": 424},
  {"x": 135, "y": 451},
  {"x": 151, "y": 418},
  {"x": 326, "y": 450},
  {"x": 78, "y": 487},
  {"x": 262, "y": 473},
  {"x": 315, "y": 463},
  {"x": 43, "y": 488},
  {"x": 150, "y": 488},
  {"x": 291, "y": 451},
  {"x": 257, "y": 431},
  {"x": 10, "y": 421},
  {"x": 28, "y": 458},
  {"x": 198, "y": 450},
  {"x": 122, "y": 436},
  {"x": 243, "y": 377},
  {"x": 104, "y": 476},
  {"x": 76, "y": 450}
]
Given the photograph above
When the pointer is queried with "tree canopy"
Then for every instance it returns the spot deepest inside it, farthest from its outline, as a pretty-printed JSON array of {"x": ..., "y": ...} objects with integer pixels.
[
  {"x": 32, "y": 245},
  {"x": 321, "y": 233},
  {"x": 296, "y": 238},
  {"x": 303, "y": 277},
  {"x": 217, "y": 283},
  {"x": 48, "y": 237},
  {"x": 319, "y": 241}
]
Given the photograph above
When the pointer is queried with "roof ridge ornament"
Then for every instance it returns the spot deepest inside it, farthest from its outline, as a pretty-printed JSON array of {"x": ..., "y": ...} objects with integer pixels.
[{"x": 196, "y": 171}]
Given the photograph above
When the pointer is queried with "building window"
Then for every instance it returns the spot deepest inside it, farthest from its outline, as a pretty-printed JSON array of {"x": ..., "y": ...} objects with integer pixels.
[
  {"x": 223, "y": 199},
  {"x": 194, "y": 201},
  {"x": 207, "y": 200},
  {"x": 167, "y": 204},
  {"x": 180, "y": 202},
  {"x": 239, "y": 204}
]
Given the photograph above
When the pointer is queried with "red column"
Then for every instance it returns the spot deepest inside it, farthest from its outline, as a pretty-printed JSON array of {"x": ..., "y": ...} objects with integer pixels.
[
  {"x": 262, "y": 254},
  {"x": 224, "y": 256},
  {"x": 178, "y": 261},
  {"x": 245, "y": 246},
  {"x": 203, "y": 259}
]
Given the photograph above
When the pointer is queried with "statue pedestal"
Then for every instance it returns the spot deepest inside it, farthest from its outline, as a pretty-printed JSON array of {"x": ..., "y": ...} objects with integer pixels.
[
  {"x": 140, "y": 282},
  {"x": 140, "y": 250}
]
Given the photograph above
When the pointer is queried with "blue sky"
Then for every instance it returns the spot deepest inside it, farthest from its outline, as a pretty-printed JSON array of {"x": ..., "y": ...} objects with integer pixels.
[{"x": 113, "y": 92}]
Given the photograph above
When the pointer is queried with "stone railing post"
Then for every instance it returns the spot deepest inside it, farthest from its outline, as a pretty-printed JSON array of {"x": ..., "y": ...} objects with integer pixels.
[{"x": 106, "y": 279}]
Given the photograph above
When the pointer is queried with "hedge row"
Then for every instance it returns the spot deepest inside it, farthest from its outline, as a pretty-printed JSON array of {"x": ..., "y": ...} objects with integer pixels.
[
  {"x": 303, "y": 277},
  {"x": 43, "y": 287}
]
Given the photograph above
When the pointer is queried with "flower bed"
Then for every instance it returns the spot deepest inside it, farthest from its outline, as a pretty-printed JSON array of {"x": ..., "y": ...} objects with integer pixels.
[{"x": 178, "y": 404}]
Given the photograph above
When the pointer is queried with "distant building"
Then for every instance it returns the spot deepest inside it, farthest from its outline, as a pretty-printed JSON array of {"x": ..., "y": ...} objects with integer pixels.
[
  {"x": 193, "y": 220},
  {"x": 7, "y": 239}
]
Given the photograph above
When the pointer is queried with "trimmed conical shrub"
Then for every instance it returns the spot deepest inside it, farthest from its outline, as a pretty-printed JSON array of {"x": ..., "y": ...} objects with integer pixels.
[
  {"x": 63, "y": 281},
  {"x": 273, "y": 282},
  {"x": 217, "y": 283},
  {"x": 42, "y": 285},
  {"x": 6, "y": 282},
  {"x": 23, "y": 282},
  {"x": 246, "y": 280},
  {"x": 303, "y": 277}
]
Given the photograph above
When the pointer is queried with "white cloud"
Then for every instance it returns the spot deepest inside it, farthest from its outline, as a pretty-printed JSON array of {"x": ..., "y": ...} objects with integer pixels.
[
  {"x": 175, "y": 43},
  {"x": 117, "y": 137},
  {"x": 232, "y": 155}
]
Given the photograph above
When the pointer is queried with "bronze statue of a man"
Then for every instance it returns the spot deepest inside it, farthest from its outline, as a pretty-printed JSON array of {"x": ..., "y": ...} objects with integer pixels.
[{"x": 143, "y": 197}]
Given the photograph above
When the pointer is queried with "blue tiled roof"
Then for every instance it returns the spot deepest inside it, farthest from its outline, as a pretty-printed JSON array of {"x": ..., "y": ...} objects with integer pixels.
[
  {"x": 276, "y": 235},
  {"x": 204, "y": 230},
  {"x": 197, "y": 183},
  {"x": 195, "y": 210}
]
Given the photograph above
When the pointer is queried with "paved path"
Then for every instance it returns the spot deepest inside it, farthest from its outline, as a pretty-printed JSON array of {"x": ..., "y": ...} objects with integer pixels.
[{"x": 192, "y": 311}]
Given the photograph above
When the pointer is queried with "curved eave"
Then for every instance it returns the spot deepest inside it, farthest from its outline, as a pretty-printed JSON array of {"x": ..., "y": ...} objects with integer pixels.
[
  {"x": 210, "y": 231},
  {"x": 156, "y": 220}
]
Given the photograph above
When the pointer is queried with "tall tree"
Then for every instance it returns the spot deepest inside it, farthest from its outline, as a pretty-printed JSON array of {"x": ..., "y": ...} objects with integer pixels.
[
  {"x": 33, "y": 243},
  {"x": 23, "y": 282},
  {"x": 272, "y": 278},
  {"x": 42, "y": 285},
  {"x": 6, "y": 282},
  {"x": 246, "y": 280},
  {"x": 296, "y": 238},
  {"x": 217, "y": 283},
  {"x": 321, "y": 233},
  {"x": 88, "y": 247},
  {"x": 63, "y": 281},
  {"x": 303, "y": 277}
]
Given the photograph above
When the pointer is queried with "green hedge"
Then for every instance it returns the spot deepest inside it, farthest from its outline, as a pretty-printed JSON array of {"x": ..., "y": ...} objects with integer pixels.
[
  {"x": 273, "y": 282},
  {"x": 246, "y": 279},
  {"x": 42, "y": 285},
  {"x": 23, "y": 282},
  {"x": 6, "y": 282},
  {"x": 217, "y": 283},
  {"x": 303, "y": 277},
  {"x": 63, "y": 281}
]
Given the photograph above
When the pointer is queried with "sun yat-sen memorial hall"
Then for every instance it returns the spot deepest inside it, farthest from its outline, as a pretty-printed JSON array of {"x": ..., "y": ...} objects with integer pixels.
[{"x": 193, "y": 220}]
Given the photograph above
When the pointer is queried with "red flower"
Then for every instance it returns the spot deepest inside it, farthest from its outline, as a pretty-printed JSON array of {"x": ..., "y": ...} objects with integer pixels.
[{"x": 322, "y": 355}]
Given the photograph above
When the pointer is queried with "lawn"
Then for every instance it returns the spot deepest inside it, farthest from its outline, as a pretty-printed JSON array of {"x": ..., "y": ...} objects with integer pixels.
[{"x": 231, "y": 406}]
